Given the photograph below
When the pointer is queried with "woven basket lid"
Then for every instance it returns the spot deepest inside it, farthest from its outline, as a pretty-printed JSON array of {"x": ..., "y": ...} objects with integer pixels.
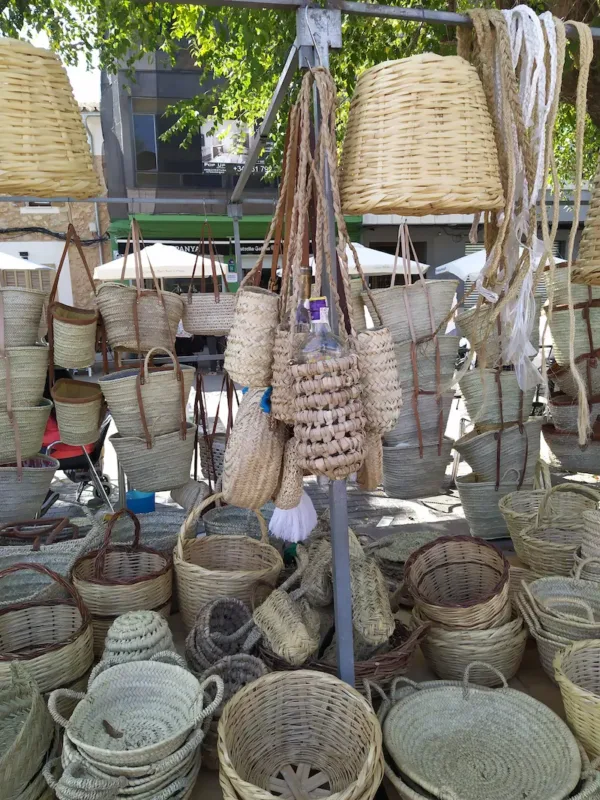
[{"x": 464, "y": 742}]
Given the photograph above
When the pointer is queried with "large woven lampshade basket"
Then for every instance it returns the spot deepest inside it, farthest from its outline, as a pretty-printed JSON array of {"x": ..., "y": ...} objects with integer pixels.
[
  {"x": 299, "y": 729},
  {"x": 45, "y": 151},
  {"x": 420, "y": 141}
]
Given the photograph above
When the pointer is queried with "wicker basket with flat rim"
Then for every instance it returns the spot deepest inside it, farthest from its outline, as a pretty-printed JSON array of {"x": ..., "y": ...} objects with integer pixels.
[
  {"x": 31, "y": 423},
  {"x": 527, "y": 752},
  {"x": 460, "y": 582},
  {"x": 577, "y": 672},
  {"x": 53, "y": 638},
  {"x": 220, "y": 566},
  {"x": 22, "y": 311},
  {"x": 117, "y": 578},
  {"x": 149, "y": 400},
  {"x": 155, "y": 704},
  {"x": 409, "y": 147},
  {"x": 299, "y": 729},
  {"x": 28, "y": 367},
  {"x": 79, "y": 410},
  {"x": 565, "y": 410}
]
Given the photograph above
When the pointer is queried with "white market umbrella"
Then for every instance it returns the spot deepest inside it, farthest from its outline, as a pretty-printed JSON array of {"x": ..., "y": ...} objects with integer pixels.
[
  {"x": 376, "y": 262},
  {"x": 8, "y": 262},
  {"x": 167, "y": 262},
  {"x": 469, "y": 267}
]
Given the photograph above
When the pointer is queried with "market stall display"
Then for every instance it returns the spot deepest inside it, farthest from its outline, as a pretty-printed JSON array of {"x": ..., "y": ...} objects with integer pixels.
[{"x": 208, "y": 313}]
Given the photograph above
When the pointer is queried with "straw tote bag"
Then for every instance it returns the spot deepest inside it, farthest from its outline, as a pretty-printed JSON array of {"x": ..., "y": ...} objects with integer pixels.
[
  {"x": 420, "y": 141},
  {"x": 79, "y": 410},
  {"x": 71, "y": 331},
  {"x": 212, "y": 441},
  {"x": 149, "y": 401},
  {"x": 254, "y": 454},
  {"x": 23, "y": 487},
  {"x": 208, "y": 314},
  {"x": 138, "y": 319}
]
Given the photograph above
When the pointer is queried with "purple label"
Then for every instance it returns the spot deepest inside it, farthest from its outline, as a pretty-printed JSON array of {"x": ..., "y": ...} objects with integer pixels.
[{"x": 316, "y": 305}]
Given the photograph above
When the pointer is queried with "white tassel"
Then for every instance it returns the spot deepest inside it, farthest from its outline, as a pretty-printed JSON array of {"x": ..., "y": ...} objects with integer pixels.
[{"x": 294, "y": 524}]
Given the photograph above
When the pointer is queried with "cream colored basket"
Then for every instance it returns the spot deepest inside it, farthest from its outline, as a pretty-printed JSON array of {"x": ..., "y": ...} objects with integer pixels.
[{"x": 420, "y": 141}]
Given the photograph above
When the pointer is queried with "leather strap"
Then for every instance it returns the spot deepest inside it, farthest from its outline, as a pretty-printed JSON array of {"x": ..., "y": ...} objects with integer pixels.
[{"x": 207, "y": 237}]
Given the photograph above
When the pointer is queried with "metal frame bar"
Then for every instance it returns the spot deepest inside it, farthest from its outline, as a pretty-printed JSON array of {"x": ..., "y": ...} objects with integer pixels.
[{"x": 170, "y": 201}]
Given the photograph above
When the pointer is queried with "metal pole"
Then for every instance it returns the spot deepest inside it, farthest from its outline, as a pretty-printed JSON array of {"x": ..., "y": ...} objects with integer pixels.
[
  {"x": 318, "y": 30},
  {"x": 237, "y": 243},
  {"x": 97, "y": 482}
]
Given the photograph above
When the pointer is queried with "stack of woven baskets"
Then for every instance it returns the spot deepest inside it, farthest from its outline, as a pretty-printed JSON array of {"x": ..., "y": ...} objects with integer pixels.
[
  {"x": 502, "y": 449},
  {"x": 25, "y": 475},
  {"x": 154, "y": 442},
  {"x": 27, "y": 738},
  {"x": 577, "y": 672},
  {"x": 548, "y": 527},
  {"x": 460, "y": 586},
  {"x": 136, "y": 733}
]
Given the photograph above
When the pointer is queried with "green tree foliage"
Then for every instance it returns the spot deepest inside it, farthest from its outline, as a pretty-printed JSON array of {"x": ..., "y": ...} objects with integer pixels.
[{"x": 241, "y": 53}]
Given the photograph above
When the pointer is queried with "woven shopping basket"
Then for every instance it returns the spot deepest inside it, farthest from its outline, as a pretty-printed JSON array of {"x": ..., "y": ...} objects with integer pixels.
[
  {"x": 53, "y": 638},
  {"x": 381, "y": 393},
  {"x": 459, "y": 582},
  {"x": 587, "y": 321},
  {"x": 480, "y": 501},
  {"x": 422, "y": 418},
  {"x": 149, "y": 401},
  {"x": 548, "y": 550},
  {"x": 564, "y": 411},
  {"x": 208, "y": 313},
  {"x": 27, "y": 367},
  {"x": 23, "y": 487},
  {"x": 426, "y": 362},
  {"x": 137, "y": 319},
  {"x": 31, "y": 424},
  {"x": 72, "y": 331},
  {"x": 410, "y": 471},
  {"x": 580, "y": 292},
  {"x": 117, "y": 578},
  {"x": 248, "y": 358},
  {"x": 161, "y": 467},
  {"x": 577, "y": 671},
  {"x": 493, "y": 397},
  {"x": 565, "y": 607},
  {"x": 487, "y": 337},
  {"x": 588, "y": 366},
  {"x": 563, "y": 451},
  {"x": 79, "y": 410},
  {"x": 22, "y": 312},
  {"x": 288, "y": 726},
  {"x": 221, "y": 566},
  {"x": 431, "y": 151}
]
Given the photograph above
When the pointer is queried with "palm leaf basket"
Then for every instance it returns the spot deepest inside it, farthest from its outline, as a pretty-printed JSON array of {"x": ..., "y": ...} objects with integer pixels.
[
  {"x": 431, "y": 151},
  {"x": 221, "y": 566},
  {"x": 31, "y": 422},
  {"x": 426, "y": 363},
  {"x": 588, "y": 366},
  {"x": 563, "y": 451},
  {"x": 428, "y": 419},
  {"x": 118, "y": 578},
  {"x": 493, "y": 397},
  {"x": 22, "y": 310},
  {"x": 28, "y": 367},
  {"x": 580, "y": 293},
  {"x": 484, "y": 337},
  {"x": 79, "y": 410},
  {"x": 410, "y": 471},
  {"x": 590, "y": 540},
  {"x": 480, "y": 502},
  {"x": 74, "y": 334},
  {"x": 560, "y": 330},
  {"x": 53, "y": 638},
  {"x": 248, "y": 358},
  {"x": 564, "y": 411}
]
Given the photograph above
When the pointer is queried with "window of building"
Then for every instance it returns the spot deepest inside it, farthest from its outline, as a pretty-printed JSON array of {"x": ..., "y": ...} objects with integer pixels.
[{"x": 144, "y": 131}]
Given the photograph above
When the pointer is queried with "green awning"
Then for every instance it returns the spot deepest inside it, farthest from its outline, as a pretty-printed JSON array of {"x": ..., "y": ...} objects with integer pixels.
[{"x": 188, "y": 226}]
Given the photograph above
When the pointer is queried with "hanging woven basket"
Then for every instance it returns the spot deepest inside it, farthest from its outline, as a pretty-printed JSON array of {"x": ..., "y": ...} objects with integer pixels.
[
  {"x": 565, "y": 411},
  {"x": 381, "y": 393},
  {"x": 31, "y": 423},
  {"x": 589, "y": 367},
  {"x": 22, "y": 490},
  {"x": 45, "y": 148},
  {"x": 208, "y": 313},
  {"x": 79, "y": 410},
  {"x": 249, "y": 354},
  {"x": 282, "y": 397},
  {"x": 420, "y": 141},
  {"x": 426, "y": 362},
  {"x": 486, "y": 337},
  {"x": 291, "y": 484},
  {"x": 588, "y": 257},
  {"x": 587, "y": 323},
  {"x": 563, "y": 451},
  {"x": 28, "y": 367},
  {"x": 422, "y": 419},
  {"x": 580, "y": 293},
  {"x": 493, "y": 397},
  {"x": 22, "y": 310},
  {"x": 117, "y": 578}
]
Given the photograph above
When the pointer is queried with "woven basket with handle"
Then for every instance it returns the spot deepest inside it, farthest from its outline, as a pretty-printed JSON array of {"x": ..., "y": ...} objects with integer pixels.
[
  {"x": 22, "y": 311},
  {"x": 117, "y": 578},
  {"x": 24, "y": 487},
  {"x": 564, "y": 411},
  {"x": 577, "y": 672},
  {"x": 221, "y": 566},
  {"x": 480, "y": 502},
  {"x": 28, "y": 367},
  {"x": 381, "y": 393},
  {"x": 30, "y": 423},
  {"x": 493, "y": 397},
  {"x": 79, "y": 410},
  {"x": 420, "y": 141},
  {"x": 53, "y": 638}
]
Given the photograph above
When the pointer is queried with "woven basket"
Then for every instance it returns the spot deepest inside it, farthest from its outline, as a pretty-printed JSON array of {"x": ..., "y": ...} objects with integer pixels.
[
  {"x": 589, "y": 368},
  {"x": 402, "y": 306},
  {"x": 291, "y": 483},
  {"x": 285, "y": 727},
  {"x": 31, "y": 423},
  {"x": 429, "y": 151},
  {"x": 282, "y": 396},
  {"x": 249, "y": 354},
  {"x": 290, "y": 627},
  {"x": 391, "y": 552},
  {"x": 577, "y": 671},
  {"x": 28, "y": 367},
  {"x": 449, "y": 652},
  {"x": 221, "y": 629},
  {"x": 527, "y": 752},
  {"x": 548, "y": 550},
  {"x": 190, "y": 494},
  {"x": 426, "y": 361},
  {"x": 580, "y": 293},
  {"x": 329, "y": 416},
  {"x": 408, "y": 472},
  {"x": 160, "y": 468},
  {"x": 254, "y": 454},
  {"x": 491, "y": 453},
  {"x": 26, "y": 731},
  {"x": 22, "y": 310},
  {"x": 118, "y": 578},
  {"x": 564, "y": 411},
  {"x": 548, "y": 644},
  {"x": 137, "y": 636},
  {"x": 590, "y": 540},
  {"x": 38, "y": 532},
  {"x": 459, "y": 582},
  {"x": 563, "y": 452},
  {"x": 494, "y": 398},
  {"x": 212, "y": 454},
  {"x": 164, "y": 393},
  {"x": 372, "y": 616},
  {"x": 45, "y": 146},
  {"x": 220, "y": 566},
  {"x": 430, "y": 420},
  {"x": 204, "y": 315},
  {"x": 381, "y": 393},
  {"x": 560, "y": 330},
  {"x": 156, "y": 705},
  {"x": 79, "y": 410},
  {"x": 53, "y": 638},
  {"x": 484, "y": 337},
  {"x": 565, "y": 607},
  {"x": 588, "y": 569},
  {"x": 480, "y": 500},
  {"x": 589, "y": 247},
  {"x": 74, "y": 333},
  {"x": 233, "y": 521}
]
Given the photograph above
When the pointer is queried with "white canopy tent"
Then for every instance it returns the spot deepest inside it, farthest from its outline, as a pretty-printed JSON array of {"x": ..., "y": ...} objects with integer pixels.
[
  {"x": 376, "y": 262},
  {"x": 468, "y": 268},
  {"x": 8, "y": 262},
  {"x": 167, "y": 262}
]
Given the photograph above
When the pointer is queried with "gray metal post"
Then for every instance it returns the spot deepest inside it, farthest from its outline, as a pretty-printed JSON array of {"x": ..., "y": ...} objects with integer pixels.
[
  {"x": 235, "y": 212},
  {"x": 317, "y": 31}
]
